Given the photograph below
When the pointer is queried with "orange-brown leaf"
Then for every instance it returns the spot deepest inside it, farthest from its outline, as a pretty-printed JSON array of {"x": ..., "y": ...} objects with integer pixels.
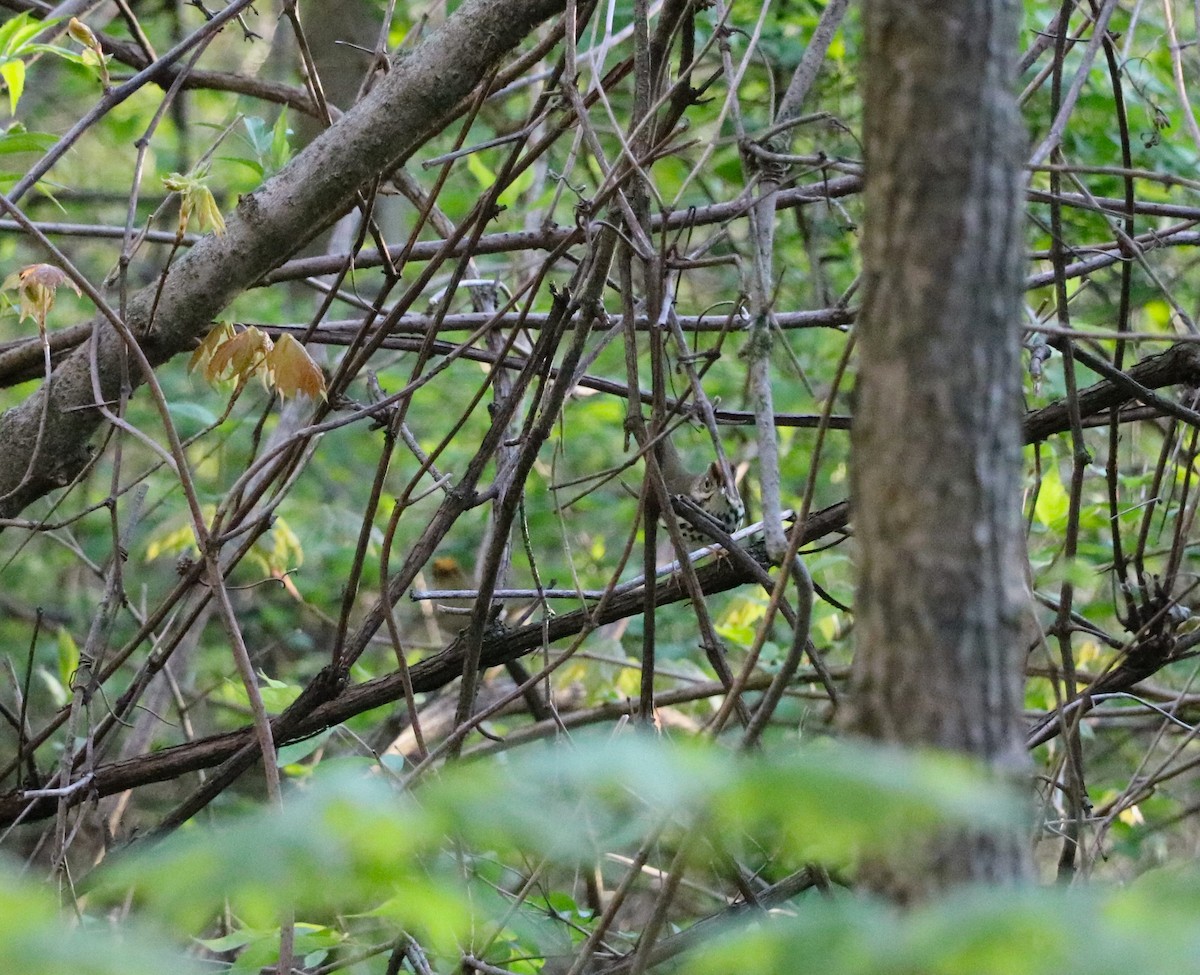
[
  {"x": 217, "y": 337},
  {"x": 293, "y": 370},
  {"x": 242, "y": 356}
]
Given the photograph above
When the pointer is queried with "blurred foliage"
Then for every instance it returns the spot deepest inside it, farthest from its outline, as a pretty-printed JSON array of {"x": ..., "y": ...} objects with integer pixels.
[
  {"x": 38, "y": 940},
  {"x": 353, "y": 856},
  {"x": 978, "y": 932},
  {"x": 349, "y": 842}
]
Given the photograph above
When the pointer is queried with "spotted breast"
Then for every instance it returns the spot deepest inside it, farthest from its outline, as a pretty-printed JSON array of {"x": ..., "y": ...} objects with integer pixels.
[{"x": 716, "y": 496}]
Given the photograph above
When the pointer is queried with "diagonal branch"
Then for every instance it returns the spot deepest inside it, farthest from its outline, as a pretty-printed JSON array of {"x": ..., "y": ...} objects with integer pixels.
[
  {"x": 325, "y": 703},
  {"x": 402, "y": 111}
]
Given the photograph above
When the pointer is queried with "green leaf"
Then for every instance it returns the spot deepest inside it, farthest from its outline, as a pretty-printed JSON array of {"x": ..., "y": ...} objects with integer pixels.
[
  {"x": 251, "y": 164},
  {"x": 277, "y": 694},
  {"x": 200, "y": 415},
  {"x": 256, "y": 135},
  {"x": 300, "y": 750},
  {"x": 479, "y": 169},
  {"x": 281, "y": 149},
  {"x": 511, "y": 194},
  {"x": 13, "y": 73},
  {"x": 68, "y": 656},
  {"x": 16, "y": 34},
  {"x": 827, "y": 800},
  {"x": 58, "y": 693},
  {"x": 270, "y": 146},
  {"x": 63, "y": 53},
  {"x": 1053, "y": 501},
  {"x": 21, "y": 141},
  {"x": 345, "y": 841},
  {"x": 261, "y": 945}
]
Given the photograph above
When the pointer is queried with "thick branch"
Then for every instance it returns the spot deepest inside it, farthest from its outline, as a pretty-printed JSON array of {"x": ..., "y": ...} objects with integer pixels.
[
  {"x": 1179, "y": 364},
  {"x": 268, "y": 225},
  {"x": 498, "y": 648}
]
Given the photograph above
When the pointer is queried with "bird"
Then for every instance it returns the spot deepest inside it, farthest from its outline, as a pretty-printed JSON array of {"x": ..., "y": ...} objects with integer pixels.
[
  {"x": 452, "y": 614},
  {"x": 716, "y": 495}
]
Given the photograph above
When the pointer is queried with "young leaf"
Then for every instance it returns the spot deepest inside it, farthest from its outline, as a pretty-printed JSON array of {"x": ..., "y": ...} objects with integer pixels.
[
  {"x": 196, "y": 198},
  {"x": 36, "y": 285},
  {"x": 13, "y": 73},
  {"x": 94, "y": 56},
  {"x": 18, "y": 32},
  {"x": 242, "y": 356},
  {"x": 217, "y": 337},
  {"x": 294, "y": 372}
]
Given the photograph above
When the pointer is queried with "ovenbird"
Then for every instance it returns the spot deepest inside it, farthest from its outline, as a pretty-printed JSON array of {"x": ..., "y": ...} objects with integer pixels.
[{"x": 716, "y": 495}]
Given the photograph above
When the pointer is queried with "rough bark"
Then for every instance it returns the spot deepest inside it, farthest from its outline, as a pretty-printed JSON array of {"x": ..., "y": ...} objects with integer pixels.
[
  {"x": 936, "y": 439},
  {"x": 267, "y": 227}
]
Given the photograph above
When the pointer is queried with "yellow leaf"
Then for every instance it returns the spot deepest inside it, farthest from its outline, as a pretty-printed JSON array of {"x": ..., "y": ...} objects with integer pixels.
[
  {"x": 197, "y": 198},
  {"x": 209, "y": 213},
  {"x": 68, "y": 657},
  {"x": 175, "y": 541},
  {"x": 1088, "y": 652},
  {"x": 13, "y": 74},
  {"x": 177, "y": 182},
  {"x": 99, "y": 61},
  {"x": 294, "y": 372},
  {"x": 1053, "y": 501},
  {"x": 1131, "y": 816}
]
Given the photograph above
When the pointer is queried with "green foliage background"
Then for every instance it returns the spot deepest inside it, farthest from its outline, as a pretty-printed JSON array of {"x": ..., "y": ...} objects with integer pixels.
[{"x": 361, "y": 854}]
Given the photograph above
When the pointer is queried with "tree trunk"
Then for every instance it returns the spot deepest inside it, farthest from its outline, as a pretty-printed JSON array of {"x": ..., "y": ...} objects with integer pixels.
[{"x": 937, "y": 460}]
